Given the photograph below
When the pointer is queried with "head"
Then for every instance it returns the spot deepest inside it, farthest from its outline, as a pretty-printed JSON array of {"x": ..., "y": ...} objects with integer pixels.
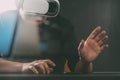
[{"x": 38, "y": 10}]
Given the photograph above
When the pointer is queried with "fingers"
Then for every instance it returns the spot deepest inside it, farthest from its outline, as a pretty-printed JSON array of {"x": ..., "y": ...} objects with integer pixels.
[
  {"x": 47, "y": 70},
  {"x": 42, "y": 66},
  {"x": 51, "y": 63},
  {"x": 101, "y": 37},
  {"x": 100, "y": 42},
  {"x": 104, "y": 46},
  {"x": 33, "y": 69},
  {"x": 94, "y": 32}
]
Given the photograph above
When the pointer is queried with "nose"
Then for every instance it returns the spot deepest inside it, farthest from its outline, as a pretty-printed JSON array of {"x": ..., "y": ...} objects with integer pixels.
[{"x": 40, "y": 21}]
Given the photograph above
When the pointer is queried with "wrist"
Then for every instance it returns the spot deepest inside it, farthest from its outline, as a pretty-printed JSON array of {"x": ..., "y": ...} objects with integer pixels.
[
  {"x": 24, "y": 67},
  {"x": 17, "y": 67},
  {"x": 84, "y": 61}
]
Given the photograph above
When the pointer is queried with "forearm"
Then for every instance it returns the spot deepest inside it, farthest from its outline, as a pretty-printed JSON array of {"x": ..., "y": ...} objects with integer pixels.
[
  {"x": 9, "y": 66},
  {"x": 84, "y": 67}
]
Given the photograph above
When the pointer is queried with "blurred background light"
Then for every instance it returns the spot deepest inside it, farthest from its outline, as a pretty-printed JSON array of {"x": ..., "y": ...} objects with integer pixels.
[{"x": 6, "y": 5}]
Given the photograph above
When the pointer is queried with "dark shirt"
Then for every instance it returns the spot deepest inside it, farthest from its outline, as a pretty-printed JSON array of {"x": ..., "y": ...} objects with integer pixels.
[{"x": 57, "y": 42}]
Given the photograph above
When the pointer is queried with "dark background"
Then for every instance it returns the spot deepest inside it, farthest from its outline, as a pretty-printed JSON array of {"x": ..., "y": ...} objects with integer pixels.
[{"x": 85, "y": 15}]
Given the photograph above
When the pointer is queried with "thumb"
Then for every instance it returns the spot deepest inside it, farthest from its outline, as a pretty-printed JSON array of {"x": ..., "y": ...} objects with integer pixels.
[{"x": 81, "y": 45}]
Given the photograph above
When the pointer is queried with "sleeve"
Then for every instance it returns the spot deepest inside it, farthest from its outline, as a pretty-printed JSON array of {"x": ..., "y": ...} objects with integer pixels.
[
  {"x": 7, "y": 25},
  {"x": 70, "y": 45}
]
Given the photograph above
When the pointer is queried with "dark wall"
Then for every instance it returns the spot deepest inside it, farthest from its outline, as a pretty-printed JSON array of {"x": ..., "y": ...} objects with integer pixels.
[{"x": 85, "y": 15}]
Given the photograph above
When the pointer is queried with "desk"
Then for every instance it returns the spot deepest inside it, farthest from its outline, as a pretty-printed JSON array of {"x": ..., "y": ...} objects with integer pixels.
[{"x": 93, "y": 76}]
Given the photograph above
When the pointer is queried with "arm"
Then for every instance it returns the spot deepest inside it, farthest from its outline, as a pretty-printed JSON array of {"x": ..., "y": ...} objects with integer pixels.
[
  {"x": 35, "y": 66},
  {"x": 90, "y": 49},
  {"x": 84, "y": 67},
  {"x": 9, "y": 66}
]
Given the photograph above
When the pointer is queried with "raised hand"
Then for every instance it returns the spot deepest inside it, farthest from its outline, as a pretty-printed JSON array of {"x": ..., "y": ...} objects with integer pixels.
[{"x": 93, "y": 45}]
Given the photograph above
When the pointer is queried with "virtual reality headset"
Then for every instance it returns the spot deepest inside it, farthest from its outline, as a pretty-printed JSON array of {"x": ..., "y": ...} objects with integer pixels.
[{"x": 37, "y": 8}]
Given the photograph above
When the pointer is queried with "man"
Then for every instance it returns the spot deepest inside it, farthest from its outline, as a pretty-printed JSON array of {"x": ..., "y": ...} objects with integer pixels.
[
  {"x": 58, "y": 43},
  {"x": 88, "y": 50}
]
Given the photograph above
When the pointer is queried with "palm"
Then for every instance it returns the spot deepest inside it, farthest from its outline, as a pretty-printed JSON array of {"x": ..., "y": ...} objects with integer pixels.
[{"x": 90, "y": 49}]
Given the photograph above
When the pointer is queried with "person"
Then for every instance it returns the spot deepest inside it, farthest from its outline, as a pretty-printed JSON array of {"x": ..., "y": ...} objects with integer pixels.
[
  {"x": 88, "y": 50},
  {"x": 58, "y": 43}
]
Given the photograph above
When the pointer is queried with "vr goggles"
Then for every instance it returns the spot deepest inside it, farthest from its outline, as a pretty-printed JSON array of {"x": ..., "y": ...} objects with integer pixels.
[{"x": 38, "y": 8}]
